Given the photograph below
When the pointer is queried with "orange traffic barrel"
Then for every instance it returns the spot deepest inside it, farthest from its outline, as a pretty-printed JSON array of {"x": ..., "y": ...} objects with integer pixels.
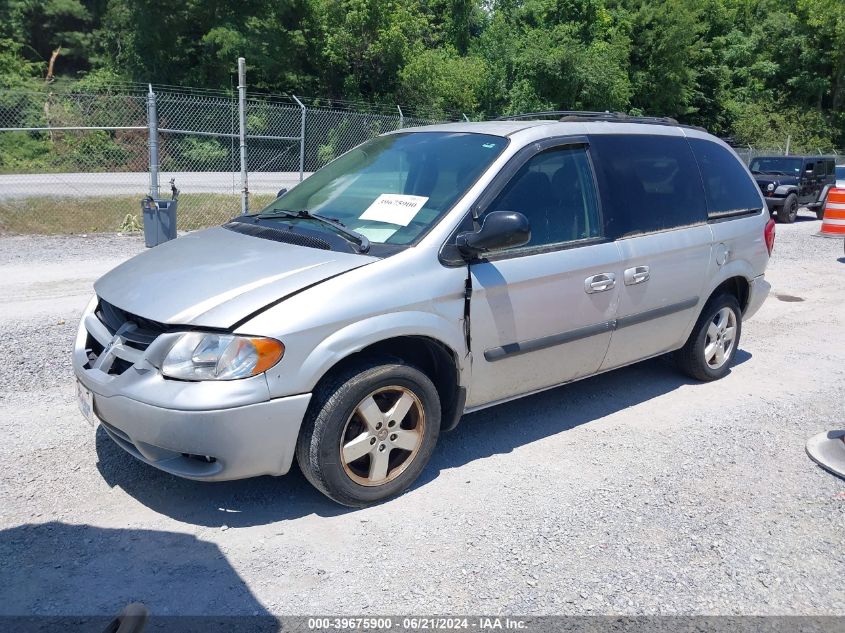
[{"x": 833, "y": 222}]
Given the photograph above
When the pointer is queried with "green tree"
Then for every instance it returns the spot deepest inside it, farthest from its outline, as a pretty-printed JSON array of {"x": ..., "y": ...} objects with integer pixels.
[
  {"x": 365, "y": 43},
  {"x": 443, "y": 80}
]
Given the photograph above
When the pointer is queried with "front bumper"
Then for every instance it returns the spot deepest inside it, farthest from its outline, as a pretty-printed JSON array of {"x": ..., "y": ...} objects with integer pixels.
[
  {"x": 235, "y": 443},
  {"x": 758, "y": 291},
  {"x": 774, "y": 203},
  {"x": 211, "y": 430}
]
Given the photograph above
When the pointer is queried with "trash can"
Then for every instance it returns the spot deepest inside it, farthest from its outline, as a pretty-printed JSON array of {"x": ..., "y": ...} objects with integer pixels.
[{"x": 159, "y": 221}]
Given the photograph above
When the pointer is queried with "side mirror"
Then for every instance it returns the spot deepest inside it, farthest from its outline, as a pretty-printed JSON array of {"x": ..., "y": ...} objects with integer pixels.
[
  {"x": 501, "y": 229},
  {"x": 281, "y": 192}
]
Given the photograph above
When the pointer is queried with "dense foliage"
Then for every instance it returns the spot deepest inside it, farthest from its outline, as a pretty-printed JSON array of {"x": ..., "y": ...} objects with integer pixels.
[{"x": 754, "y": 70}]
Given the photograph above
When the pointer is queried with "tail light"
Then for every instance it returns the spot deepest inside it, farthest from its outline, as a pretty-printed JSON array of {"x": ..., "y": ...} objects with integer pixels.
[{"x": 769, "y": 235}]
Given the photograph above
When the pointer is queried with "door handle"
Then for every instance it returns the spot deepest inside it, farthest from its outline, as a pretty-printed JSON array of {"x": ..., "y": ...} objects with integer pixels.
[
  {"x": 636, "y": 275},
  {"x": 599, "y": 283}
]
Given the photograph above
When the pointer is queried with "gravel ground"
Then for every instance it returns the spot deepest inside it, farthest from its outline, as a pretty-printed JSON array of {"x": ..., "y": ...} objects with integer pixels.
[{"x": 635, "y": 492}]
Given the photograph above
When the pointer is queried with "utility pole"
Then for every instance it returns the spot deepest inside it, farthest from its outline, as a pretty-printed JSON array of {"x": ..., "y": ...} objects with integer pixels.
[{"x": 242, "y": 112}]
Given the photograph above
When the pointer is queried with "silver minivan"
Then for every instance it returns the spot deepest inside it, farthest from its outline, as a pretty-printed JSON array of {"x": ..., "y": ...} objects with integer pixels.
[{"x": 425, "y": 274}]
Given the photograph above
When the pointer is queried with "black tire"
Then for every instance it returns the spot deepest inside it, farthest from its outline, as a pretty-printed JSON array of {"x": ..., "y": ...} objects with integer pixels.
[
  {"x": 789, "y": 211},
  {"x": 691, "y": 357},
  {"x": 820, "y": 210},
  {"x": 333, "y": 405}
]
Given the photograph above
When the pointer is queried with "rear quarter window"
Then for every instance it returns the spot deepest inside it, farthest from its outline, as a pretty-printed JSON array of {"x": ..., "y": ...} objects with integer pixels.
[
  {"x": 727, "y": 186},
  {"x": 648, "y": 183}
]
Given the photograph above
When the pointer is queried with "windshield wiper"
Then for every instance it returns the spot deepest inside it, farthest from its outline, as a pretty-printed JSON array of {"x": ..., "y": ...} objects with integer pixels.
[{"x": 303, "y": 214}]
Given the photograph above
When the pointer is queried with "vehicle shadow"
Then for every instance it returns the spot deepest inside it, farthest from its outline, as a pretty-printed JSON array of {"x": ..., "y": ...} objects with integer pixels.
[
  {"x": 496, "y": 430},
  {"x": 57, "y": 576},
  {"x": 503, "y": 428}
]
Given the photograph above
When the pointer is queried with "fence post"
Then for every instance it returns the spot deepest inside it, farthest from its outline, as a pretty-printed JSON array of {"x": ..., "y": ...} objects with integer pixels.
[
  {"x": 242, "y": 134},
  {"x": 401, "y": 117},
  {"x": 152, "y": 131},
  {"x": 301, "y": 137}
]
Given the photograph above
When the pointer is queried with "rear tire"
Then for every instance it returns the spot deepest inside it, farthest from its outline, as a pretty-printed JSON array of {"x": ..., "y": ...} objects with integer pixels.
[
  {"x": 712, "y": 344},
  {"x": 789, "y": 211},
  {"x": 369, "y": 431}
]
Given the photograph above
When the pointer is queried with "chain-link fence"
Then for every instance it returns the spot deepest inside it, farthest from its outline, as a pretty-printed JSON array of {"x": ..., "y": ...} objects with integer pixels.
[
  {"x": 75, "y": 161},
  {"x": 747, "y": 153}
]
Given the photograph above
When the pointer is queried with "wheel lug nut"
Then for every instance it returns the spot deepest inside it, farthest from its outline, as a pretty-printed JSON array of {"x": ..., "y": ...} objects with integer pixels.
[
  {"x": 393, "y": 437},
  {"x": 372, "y": 440},
  {"x": 381, "y": 448},
  {"x": 378, "y": 426},
  {"x": 392, "y": 423}
]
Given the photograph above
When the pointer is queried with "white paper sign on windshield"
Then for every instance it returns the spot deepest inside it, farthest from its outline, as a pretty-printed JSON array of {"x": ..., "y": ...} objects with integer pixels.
[{"x": 395, "y": 208}]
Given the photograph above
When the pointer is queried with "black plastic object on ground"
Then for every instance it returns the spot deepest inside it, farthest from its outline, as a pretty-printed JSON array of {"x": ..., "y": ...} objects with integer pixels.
[
  {"x": 131, "y": 619},
  {"x": 827, "y": 449},
  {"x": 159, "y": 220}
]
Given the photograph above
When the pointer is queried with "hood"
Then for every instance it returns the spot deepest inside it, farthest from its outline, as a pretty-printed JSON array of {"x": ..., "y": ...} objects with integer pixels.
[
  {"x": 215, "y": 278},
  {"x": 764, "y": 180}
]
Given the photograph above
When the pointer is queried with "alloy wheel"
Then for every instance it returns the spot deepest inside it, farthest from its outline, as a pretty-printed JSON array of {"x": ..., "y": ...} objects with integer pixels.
[
  {"x": 382, "y": 436},
  {"x": 721, "y": 338}
]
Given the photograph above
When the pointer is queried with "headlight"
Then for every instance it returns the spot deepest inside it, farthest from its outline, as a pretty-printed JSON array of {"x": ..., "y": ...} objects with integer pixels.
[
  {"x": 771, "y": 187},
  {"x": 210, "y": 356}
]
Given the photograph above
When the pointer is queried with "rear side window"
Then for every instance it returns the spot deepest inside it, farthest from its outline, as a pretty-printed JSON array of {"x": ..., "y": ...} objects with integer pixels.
[
  {"x": 648, "y": 183},
  {"x": 830, "y": 167},
  {"x": 727, "y": 187}
]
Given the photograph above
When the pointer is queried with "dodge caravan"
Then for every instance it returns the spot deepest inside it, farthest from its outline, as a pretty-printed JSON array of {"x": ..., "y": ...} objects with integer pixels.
[{"x": 426, "y": 273}]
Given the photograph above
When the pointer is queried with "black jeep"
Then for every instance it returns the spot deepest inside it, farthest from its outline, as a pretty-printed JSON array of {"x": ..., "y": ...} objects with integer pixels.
[{"x": 789, "y": 182}]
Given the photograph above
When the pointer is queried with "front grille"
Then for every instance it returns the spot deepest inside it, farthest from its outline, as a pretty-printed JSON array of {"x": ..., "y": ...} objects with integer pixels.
[
  {"x": 126, "y": 332},
  {"x": 140, "y": 337}
]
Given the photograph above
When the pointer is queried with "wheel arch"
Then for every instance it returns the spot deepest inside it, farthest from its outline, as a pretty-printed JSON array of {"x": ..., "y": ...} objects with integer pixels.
[
  {"x": 736, "y": 285},
  {"x": 431, "y": 356},
  {"x": 419, "y": 339}
]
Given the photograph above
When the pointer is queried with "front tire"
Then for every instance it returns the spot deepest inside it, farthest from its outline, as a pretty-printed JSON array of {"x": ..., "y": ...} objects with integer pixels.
[
  {"x": 712, "y": 344},
  {"x": 369, "y": 431},
  {"x": 789, "y": 211}
]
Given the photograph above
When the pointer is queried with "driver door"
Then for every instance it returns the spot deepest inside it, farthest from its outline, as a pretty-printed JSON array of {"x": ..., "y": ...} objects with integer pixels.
[{"x": 541, "y": 314}]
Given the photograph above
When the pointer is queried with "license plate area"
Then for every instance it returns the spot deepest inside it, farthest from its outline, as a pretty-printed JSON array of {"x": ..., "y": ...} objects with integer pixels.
[{"x": 85, "y": 399}]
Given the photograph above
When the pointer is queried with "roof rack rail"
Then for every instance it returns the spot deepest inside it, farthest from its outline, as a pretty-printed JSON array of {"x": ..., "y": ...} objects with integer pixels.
[
  {"x": 611, "y": 117},
  {"x": 547, "y": 113}
]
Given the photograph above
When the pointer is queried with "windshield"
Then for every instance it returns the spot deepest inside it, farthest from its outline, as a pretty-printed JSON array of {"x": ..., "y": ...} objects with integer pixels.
[
  {"x": 777, "y": 165},
  {"x": 394, "y": 188}
]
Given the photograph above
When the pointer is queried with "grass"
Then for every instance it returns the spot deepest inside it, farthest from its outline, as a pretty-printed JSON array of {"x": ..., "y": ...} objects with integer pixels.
[{"x": 58, "y": 215}]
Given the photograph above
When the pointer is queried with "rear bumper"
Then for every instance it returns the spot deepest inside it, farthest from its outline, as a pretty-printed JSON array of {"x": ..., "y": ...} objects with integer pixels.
[{"x": 757, "y": 292}]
